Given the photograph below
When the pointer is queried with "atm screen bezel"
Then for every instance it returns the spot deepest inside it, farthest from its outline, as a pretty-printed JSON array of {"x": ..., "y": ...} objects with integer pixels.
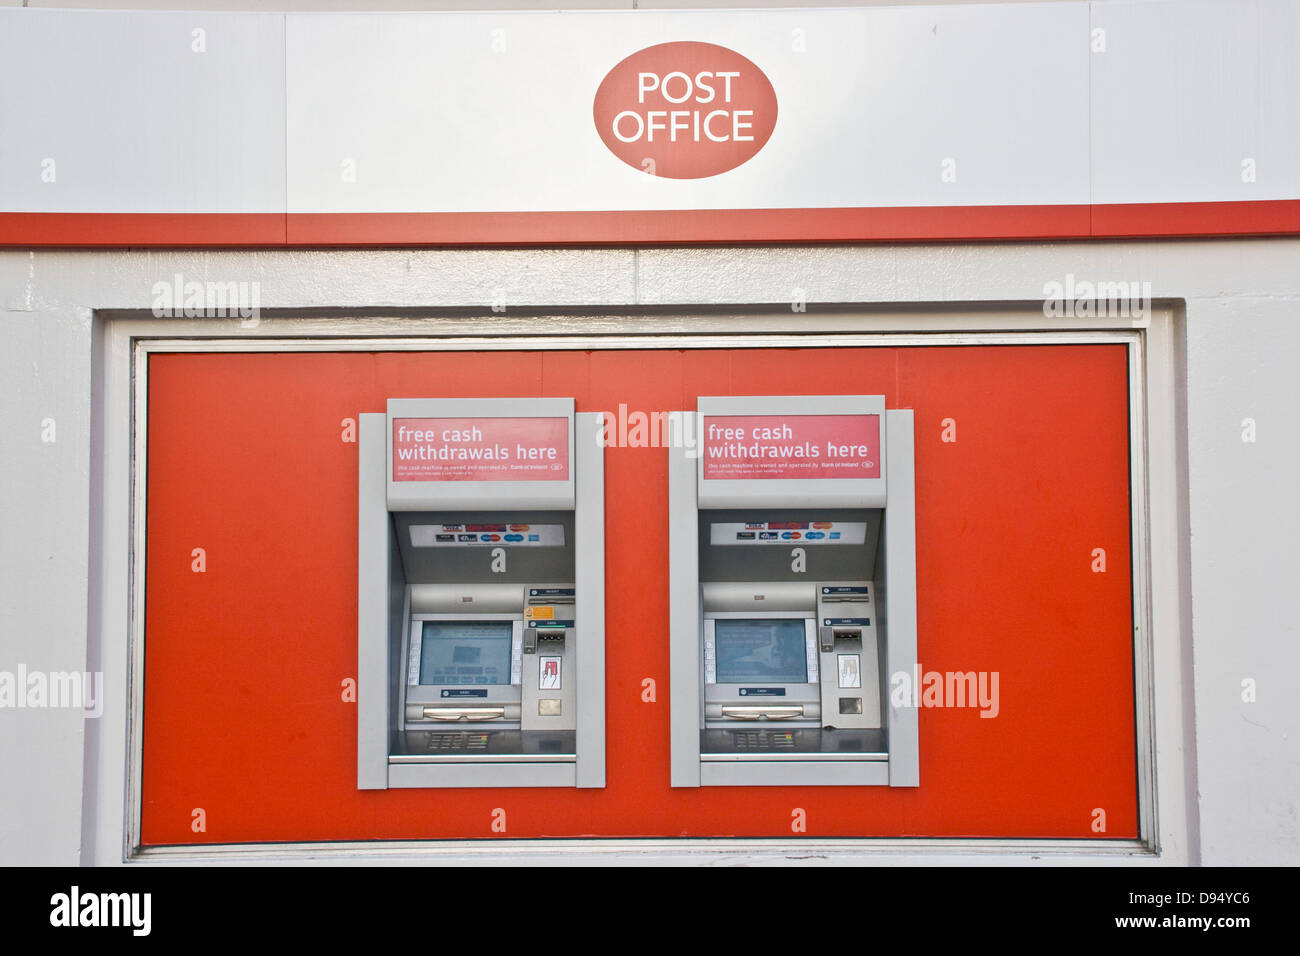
[
  {"x": 432, "y": 693},
  {"x": 808, "y": 692}
]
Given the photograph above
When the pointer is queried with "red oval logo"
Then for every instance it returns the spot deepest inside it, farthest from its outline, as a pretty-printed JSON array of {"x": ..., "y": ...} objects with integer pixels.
[{"x": 685, "y": 110}]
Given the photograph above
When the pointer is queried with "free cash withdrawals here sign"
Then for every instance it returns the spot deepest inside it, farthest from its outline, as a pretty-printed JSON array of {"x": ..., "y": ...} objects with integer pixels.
[
  {"x": 791, "y": 446},
  {"x": 480, "y": 449}
]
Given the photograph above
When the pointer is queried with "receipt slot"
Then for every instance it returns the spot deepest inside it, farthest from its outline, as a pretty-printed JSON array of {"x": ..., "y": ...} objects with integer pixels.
[
  {"x": 481, "y": 652},
  {"x": 793, "y": 594}
]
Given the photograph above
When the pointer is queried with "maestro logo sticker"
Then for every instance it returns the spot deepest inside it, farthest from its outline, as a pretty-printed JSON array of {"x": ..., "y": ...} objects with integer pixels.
[{"x": 685, "y": 110}]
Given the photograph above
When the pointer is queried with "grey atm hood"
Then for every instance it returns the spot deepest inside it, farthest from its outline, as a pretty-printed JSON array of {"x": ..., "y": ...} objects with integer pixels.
[
  {"x": 792, "y": 574},
  {"x": 480, "y": 628}
]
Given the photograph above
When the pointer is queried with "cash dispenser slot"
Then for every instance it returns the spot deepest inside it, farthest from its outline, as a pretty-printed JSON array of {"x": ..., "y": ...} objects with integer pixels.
[
  {"x": 736, "y": 712},
  {"x": 464, "y": 713}
]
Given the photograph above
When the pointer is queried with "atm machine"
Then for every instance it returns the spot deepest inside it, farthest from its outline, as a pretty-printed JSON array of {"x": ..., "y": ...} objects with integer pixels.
[
  {"x": 481, "y": 651},
  {"x": 793, "y": 594}
]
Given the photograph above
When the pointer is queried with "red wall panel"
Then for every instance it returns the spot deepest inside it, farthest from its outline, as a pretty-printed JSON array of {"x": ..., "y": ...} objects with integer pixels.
[{"x": 244, "y": 716}]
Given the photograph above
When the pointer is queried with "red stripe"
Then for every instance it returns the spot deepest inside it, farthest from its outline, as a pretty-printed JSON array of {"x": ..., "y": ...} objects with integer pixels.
[
  {"x": 141, "y": 229},
  {"x": 1259, "y": 218},
  {"x": 686, "y": 226},
  {"x": 653, "y": 227}
]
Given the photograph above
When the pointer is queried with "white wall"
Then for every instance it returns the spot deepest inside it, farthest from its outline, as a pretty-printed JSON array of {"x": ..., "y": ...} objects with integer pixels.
[
  {"x": 1243, "y": 352},
  {"x": 44, "y": 511},
  {"x": 1242, "y": 346}
]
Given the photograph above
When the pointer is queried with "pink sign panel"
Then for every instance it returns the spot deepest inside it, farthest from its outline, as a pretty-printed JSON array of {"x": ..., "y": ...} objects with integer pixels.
[
  {"x": 791, "y": 446},
  {"x": 480, "y": 449}
]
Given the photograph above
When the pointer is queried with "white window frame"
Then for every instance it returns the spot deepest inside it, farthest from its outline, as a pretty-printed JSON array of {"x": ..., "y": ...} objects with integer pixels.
[{"x": 1159, "y": 517}]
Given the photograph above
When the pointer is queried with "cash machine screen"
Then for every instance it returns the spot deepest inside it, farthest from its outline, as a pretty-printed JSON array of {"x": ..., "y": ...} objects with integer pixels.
[
  {"x": 772, "y": 651},
  {"x": 465, "y": 652}
]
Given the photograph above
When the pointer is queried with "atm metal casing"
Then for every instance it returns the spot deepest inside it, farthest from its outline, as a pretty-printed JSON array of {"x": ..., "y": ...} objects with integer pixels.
[
  {"x": 546, "y": 599},
  {"x": 856, "y": 602}
]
